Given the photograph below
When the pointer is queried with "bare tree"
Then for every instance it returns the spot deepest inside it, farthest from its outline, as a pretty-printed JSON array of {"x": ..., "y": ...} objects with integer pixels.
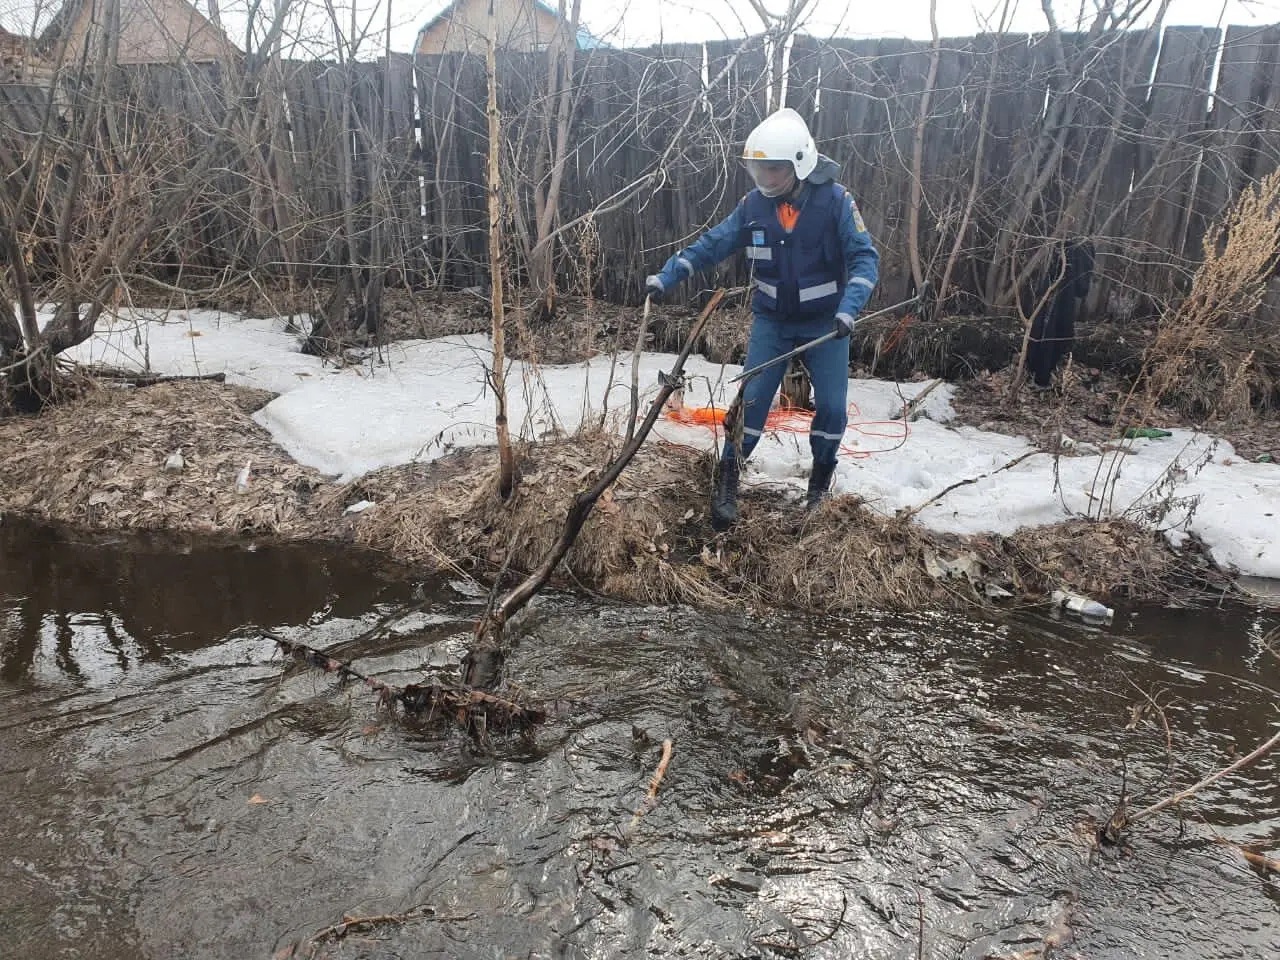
[
  {"x": 497, "y": 376},
  {"x": 780, "y": 29},
  {"x": 917, "y": 152},
  {"x": 1041, "y": 164},
  {"x": 91, "y": 189},
  {"x": 553, "y": 154}
]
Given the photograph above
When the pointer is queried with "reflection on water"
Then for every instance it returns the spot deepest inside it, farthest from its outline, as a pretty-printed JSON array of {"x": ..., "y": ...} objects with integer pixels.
[
  {"x": 88, "y": 608},
  {"x": 874, "y": 786}
]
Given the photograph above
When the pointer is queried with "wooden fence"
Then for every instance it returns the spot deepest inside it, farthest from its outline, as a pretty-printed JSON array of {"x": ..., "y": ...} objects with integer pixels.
[{"x": 1137, "y": 140}]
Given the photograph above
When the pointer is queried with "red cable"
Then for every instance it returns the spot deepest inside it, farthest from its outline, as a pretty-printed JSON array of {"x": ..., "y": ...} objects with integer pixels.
[{"x": 786, "y": 419}]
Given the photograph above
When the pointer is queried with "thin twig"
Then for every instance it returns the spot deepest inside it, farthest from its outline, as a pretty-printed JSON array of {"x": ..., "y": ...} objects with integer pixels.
[
  {"x": 910, "y": 512},
  {"x": 1164, "y": 721},
  {"x": 651, "y": 798},
  {"x": 26, "y": 359},
  {"x": 635, "y": 369},
  {"x": 1270, "y": 641}
]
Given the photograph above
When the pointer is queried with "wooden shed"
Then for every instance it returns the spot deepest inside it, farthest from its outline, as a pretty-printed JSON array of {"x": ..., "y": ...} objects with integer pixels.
[{"x": 463, "y": 26}]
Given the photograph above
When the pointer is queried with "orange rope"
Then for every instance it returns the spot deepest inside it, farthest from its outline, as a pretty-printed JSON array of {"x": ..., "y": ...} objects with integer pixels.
[
  {"x": 785, "y": 419},
  {"x": 897, "y": 333}
]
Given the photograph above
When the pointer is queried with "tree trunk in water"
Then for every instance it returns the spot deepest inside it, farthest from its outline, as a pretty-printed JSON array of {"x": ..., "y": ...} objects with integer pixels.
[{"x": 484, "y": 660}]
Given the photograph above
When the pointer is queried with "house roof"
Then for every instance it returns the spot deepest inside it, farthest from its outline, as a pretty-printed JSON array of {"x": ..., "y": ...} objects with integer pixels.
[
  {"x": 67, "y": 13},
  {"x": 586, "y": 40},
  {"x": 58, "y": 22}
]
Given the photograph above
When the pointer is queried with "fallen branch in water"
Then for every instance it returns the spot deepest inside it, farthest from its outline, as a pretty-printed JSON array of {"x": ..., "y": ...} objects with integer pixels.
[
  {"x": 1253, "y": 857},
  {"x": 1122, "y": 819},
  {"x": 489, "y": 628},
  {"x": 651, "y": 798},
  {"x": 357, "y": 924},
  {"x": 1195, "y": 788},
  {"x": 802, "y": 942},
  {"x": 477, "y": 711}
]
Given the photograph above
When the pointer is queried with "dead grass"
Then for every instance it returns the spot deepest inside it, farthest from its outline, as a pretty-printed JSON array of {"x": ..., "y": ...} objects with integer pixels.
[
  {"x": 638, "y": 528},
  {"x": 99, "y": 462},
  {"x": 1084, "y": 406},
  {"x": 649, "y": 541},
  {"x": 1215, "y": 352},
  {"x": 1111, "y": 559}
]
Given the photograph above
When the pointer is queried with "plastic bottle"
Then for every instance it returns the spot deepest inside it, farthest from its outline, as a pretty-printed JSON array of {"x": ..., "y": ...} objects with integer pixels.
[{"x": 1090, "y": 611}]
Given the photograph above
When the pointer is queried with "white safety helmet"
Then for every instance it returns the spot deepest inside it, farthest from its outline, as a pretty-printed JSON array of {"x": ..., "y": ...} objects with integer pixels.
[{"x": 781, "y": 136}]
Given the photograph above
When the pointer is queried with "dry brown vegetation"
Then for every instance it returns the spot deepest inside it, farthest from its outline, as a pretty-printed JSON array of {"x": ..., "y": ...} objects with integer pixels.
[
  {"x": 649, "y": 540},
  {"x": 99, "y": 462},
  {"x": 1214, "y": 352}
]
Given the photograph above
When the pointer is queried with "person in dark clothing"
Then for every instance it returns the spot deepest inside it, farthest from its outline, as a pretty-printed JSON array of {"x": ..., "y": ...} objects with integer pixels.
[
  {"x": 1056, "y": 301},
  {"x": 813, "y": 266}
]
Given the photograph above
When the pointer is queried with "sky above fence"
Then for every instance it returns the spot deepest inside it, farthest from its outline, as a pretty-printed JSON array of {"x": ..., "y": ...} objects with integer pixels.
[
  {"x": 651, "y": 21},
  {"x": 627, "y": 23},
  {"x": 643, "y": 22},
  {"x": 633, "y": 22}
]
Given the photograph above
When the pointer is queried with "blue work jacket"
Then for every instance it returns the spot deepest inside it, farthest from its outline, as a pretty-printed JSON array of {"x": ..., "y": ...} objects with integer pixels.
[{"x": 827, "y": 264}]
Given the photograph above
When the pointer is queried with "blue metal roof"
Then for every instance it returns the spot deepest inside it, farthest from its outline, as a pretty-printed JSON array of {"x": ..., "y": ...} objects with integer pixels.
[{"x": 586, "y": 41}]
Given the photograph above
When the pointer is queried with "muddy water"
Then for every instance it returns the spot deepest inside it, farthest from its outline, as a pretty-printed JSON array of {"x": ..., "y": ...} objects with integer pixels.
[{"x": 876, "y": 786}]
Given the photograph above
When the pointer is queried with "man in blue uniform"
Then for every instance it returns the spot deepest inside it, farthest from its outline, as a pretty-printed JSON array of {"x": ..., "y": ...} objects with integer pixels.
[{"x": 813, "y": 264}]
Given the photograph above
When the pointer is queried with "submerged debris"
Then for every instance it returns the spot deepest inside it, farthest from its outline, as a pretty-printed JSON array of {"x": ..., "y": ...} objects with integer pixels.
[{"x": 474, "y": 710}]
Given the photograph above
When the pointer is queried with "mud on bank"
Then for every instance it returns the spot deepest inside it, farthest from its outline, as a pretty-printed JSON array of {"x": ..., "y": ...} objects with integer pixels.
[{"x": 100, "y": 463}]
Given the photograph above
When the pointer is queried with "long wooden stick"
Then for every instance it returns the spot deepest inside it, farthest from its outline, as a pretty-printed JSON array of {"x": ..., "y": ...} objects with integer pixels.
[
  {"x": 635, "y": 368},
  {"x": 491, "y": 626},
  {"x": 911, "y": 406}
]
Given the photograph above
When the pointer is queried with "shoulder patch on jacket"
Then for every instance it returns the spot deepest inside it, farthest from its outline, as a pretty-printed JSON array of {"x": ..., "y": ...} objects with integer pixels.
[{"x": 858, "y": 222}]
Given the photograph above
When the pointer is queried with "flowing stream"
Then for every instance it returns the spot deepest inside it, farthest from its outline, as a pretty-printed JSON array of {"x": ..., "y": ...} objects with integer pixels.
[{"x": 873, "y": 786}]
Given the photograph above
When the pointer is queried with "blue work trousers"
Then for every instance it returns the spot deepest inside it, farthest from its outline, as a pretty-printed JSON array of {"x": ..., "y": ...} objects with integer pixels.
[{"x": 828, "y": 367}]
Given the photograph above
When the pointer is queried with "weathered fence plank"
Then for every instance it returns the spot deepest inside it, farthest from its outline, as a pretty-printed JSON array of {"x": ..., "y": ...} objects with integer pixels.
[{"x": 384, "y": 161}]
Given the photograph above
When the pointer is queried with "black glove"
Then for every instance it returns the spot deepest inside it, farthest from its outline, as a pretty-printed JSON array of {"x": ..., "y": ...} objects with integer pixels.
[
  {"x": 844, "y": 325},
  {"x": 654, "y": 289}
]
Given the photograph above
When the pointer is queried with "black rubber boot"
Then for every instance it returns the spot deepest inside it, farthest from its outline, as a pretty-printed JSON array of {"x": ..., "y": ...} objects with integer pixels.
[
  {"x": 724, "y": 498},
  {"x": 819, "y": 484}
]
